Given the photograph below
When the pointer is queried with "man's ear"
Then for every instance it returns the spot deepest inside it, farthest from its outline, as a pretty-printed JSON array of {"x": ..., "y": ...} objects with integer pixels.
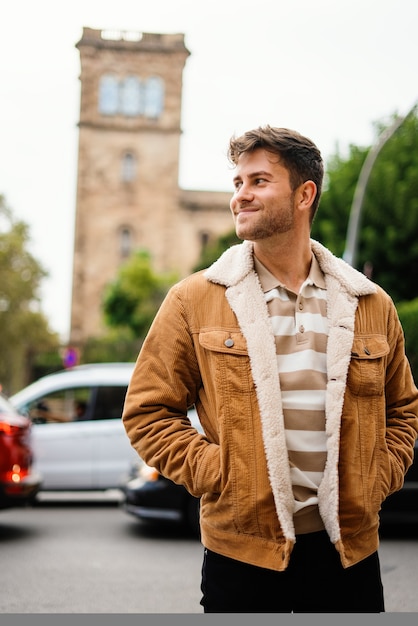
[{"x": 307, "y": 194}]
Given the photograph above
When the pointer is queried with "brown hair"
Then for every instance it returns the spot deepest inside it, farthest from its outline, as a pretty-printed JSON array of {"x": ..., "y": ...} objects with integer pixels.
[{"x": 297, "y": 153}]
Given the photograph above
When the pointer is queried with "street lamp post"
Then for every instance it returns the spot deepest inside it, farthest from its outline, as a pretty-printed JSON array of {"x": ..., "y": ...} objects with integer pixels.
[{"x": 350, "y": 252}]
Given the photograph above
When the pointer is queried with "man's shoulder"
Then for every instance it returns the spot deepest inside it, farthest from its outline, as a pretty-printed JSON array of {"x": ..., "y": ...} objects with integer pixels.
[
  {"x": 196, "y": 282},
  {"x": 378, "y": 295}
]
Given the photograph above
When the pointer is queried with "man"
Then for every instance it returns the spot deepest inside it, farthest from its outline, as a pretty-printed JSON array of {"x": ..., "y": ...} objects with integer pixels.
[{"x": 296, "y": 365}]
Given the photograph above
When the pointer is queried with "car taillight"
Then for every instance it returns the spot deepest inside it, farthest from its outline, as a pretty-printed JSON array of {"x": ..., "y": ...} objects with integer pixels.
[
  {"x": 9, "y": 429},
  {"x": 13, "y": 480},
  {"x": 16, "y": 474}
]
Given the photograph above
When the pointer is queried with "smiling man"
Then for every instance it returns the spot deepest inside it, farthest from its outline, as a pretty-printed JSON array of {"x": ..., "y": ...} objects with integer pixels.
[{"x": 296, "y": 365}]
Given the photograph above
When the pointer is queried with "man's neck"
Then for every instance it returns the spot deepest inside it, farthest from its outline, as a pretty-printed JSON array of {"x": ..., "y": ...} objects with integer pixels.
[{"x": 289, "y": 264}]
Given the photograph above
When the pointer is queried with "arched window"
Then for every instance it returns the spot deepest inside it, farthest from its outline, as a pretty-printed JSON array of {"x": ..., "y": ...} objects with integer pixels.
[
  {"x": 128, "y": 167},
  {"x": 125, "y": 242},
  {"x": 108, "y": 95},
  {"x": 154, "y": 97},
  {"x": 132, "y": 96}
]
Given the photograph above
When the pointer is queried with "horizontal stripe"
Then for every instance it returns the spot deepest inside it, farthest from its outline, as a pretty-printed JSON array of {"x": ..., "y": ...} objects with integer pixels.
[
  {"x": 303, "y": 380},
  {"x": 307, "y": 292},
  {"x": 313, "y": 322},
  {"x": 289, "y": 325},
  {"x": 277, "y": 293},
  {"x": 285, "y": 306},
  {"x": 304, "y": 400},
  {"x": 314, "y": 293},
  {"x": 304, "y": 420},
  {"x": 298, "y": 505},
  {"x": 306, "y": 440},
  {"x": 283, "y": 325},
  {"x": 308, "y": 461},
  {"x": 287, "y": 344},
  {"x": 307, "y": 359},
  {"x": 307, "y": 480}
]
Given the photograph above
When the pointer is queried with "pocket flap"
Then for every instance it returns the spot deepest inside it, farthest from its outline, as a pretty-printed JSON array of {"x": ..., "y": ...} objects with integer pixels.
[
  {"x": 369, "y": 346},
  {"x": 221, "y": 340}
]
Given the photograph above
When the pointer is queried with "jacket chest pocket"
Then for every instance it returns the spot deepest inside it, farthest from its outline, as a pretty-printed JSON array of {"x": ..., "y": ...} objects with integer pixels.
[
  {"x": 227, "y": 355},
  {"x": 366, "y": 373}
]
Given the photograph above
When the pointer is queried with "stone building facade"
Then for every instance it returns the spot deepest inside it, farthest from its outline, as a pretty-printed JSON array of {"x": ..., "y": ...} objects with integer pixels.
[{"x": 128, "y": 194}]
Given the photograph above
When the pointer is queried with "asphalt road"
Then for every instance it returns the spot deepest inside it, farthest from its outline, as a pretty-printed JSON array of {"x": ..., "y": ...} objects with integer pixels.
[
  {"x": 94, "y": 559},
  {"x": 86, "y": 557}
]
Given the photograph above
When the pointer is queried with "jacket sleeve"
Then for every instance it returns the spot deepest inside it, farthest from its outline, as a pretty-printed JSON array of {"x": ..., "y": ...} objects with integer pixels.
[
  {"x": 164, "y": 385},
  {"x": 401, "y": 404}
]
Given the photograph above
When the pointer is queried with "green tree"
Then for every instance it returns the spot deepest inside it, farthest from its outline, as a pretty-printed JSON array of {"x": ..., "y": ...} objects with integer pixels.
[
  {"x": 331, "y": 221},
  {"x": 213, "y": 251},
  {"x": 116, "y": 345},
  {"x": 133, "y": 298},
  {"x": 25, "y": 338},
  {"x": 408, "y": 314},
  {"x": 388, "y": 234}
]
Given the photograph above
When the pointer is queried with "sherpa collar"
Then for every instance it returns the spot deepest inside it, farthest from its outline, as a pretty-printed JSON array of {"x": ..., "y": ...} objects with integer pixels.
[{"x": 237, "y": 262}]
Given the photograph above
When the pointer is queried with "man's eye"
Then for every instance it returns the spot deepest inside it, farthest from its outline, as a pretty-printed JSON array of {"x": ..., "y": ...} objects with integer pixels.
[{"x": 258, "y": 181}]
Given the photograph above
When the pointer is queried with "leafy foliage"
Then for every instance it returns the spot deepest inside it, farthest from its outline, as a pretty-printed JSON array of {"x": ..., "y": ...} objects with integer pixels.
[
  {"x": 408, "y": 314},
  {"x": 213, "y": 251},
  {"x": 118, "y": 344},
  {"x": 388, "y": 234},
  {"x": 24, "y": 329},
  {"x": 331, "y": 222},
  {"x": 133, "y": 298}
]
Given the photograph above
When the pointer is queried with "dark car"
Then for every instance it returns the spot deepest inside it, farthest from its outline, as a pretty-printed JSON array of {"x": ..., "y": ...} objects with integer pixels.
[
  {"x": 19, "y": 484},
  {"x": 151, "y": 497}
]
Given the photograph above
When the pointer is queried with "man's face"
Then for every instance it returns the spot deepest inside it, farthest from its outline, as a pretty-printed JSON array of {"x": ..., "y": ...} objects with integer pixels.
[{"x": 263, "y": 202}]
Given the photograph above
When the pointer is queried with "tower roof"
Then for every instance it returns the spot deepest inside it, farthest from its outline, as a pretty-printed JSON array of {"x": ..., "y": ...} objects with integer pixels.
[{"x": 132, "y": 40}]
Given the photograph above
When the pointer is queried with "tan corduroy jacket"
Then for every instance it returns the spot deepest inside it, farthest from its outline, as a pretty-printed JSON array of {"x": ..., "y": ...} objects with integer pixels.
[{"x": 211, "y": 345}]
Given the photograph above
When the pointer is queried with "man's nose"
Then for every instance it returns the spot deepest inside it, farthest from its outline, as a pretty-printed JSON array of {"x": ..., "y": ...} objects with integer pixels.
[{"x": 243, "y": 193}]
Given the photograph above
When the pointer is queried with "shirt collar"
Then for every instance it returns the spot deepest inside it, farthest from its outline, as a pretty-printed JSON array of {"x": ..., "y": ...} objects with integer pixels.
[{"x": 269, "y": 281}]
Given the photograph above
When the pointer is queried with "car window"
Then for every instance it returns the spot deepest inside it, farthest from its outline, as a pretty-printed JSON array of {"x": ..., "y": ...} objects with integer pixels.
[
  {"x": 65, "y": 405},
  {"x": 109, "y": 402}
]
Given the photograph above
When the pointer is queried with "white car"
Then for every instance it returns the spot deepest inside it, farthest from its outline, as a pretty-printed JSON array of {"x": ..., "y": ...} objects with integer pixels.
[{"x": 79, "y": 441}]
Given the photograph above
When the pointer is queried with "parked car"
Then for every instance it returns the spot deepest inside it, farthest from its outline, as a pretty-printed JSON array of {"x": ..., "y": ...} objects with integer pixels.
[
  {"x": 151, "y": 497},
  {"x": 79, "y": 440},
  {"x": 19, "y": 483}
]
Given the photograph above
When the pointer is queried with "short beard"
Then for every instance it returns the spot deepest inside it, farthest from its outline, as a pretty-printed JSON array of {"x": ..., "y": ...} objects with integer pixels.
[{"x": 278, "y": 223}]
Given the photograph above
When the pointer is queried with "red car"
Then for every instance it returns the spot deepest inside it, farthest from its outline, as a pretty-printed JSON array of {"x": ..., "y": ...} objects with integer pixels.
[{"x": 18, "y": 484}]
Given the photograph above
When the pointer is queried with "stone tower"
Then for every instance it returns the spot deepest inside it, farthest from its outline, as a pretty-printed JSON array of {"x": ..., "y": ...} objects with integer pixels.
[{"x": 128, "y": 195}]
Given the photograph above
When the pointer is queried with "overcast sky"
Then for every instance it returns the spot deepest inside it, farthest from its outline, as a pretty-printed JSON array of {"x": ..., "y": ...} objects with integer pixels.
[{"x": 329, "y": 69}]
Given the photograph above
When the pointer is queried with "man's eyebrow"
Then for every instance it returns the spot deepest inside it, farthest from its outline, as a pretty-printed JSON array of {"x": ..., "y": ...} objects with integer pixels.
[
  {"x": 253, "y": 175},
  {"x": 260, "y": 173}
]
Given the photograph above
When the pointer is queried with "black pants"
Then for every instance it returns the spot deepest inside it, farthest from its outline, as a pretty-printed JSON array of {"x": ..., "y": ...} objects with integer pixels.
[{"x": 314, "y": 582}]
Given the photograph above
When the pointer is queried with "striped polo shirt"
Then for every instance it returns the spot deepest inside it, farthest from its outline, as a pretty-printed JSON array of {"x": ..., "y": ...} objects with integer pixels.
[{"x": 300, "y": 327}]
